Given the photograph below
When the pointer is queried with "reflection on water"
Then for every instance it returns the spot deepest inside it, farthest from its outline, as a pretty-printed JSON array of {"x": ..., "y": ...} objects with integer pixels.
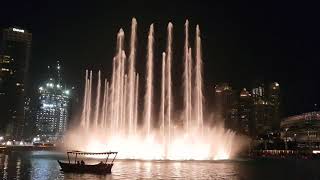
[{"x": 43, "y": 165}]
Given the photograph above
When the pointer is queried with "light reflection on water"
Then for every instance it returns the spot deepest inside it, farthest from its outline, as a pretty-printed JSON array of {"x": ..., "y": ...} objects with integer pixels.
[{"x": 43, "y": 165}]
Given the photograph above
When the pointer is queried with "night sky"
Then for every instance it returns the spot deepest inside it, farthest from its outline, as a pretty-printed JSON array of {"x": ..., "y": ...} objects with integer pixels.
[{"x": 242, "y": 41}]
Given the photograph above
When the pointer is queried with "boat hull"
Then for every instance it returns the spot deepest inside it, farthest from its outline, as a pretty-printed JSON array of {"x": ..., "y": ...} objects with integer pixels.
[{"x": 81, "y": 168}]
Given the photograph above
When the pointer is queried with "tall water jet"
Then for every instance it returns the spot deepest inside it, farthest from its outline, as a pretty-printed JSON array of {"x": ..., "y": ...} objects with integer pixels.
[
  {"x": 105, "y": 104},
  {"x": 84, "y": 110},
  {"x": 121, "y": 104},
  {"x": 103, "y": 109},
  {"x": 87, "y": 104},
  {"x": 97, "y": 107},
  {"x": 118, "y": 80},
  {"x": 136, "y": 104},
  {"x": 162, "y": 105},
  {"x": 125, "y": 107},
  {"x": 198, "y": 82},
  {"x": 191, "y": 123},
  {"x": 149, "y": 83},
  {"x": 117, "y": 93},
  {"x": 113, "y": 95},
  {"x": 168, "y": 81},
  {"x": 131, "y": 73},
  {"x": 187, "y": 80},
  {"x": 119, "y": 125},
  {"x": 107, "y": 107},
  {"x": 89, "y": 96}
]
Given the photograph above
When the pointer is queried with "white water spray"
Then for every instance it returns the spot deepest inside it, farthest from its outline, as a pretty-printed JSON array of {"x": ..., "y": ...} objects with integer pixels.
[
  {"x": 149, "y": 83},
  {"x": 117, "y": 126}
]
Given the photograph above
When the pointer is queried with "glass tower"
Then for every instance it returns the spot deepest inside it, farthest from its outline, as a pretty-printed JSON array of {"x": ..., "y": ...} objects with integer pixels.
[
  {"x": 15, "y": 51},
  {"x": 54, "y": 107}
]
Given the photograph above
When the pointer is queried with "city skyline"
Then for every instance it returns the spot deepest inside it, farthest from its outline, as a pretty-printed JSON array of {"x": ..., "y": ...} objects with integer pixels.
[
  {"x": 241, "y": 52},
  {"x": 159, "y": 89}
]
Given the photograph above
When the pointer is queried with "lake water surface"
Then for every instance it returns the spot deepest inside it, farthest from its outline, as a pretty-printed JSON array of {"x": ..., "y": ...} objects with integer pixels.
[{"x": 43, "y": 165}]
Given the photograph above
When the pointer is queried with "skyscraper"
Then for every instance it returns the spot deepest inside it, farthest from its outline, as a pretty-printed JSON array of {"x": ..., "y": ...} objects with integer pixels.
[
  {"x": 54, "y": 106},
  {"x": 274, "y": 99},
  {"x": 15, "y": 52},
  {"x": 224, "y": 100},
  {"x": 265, "y": 101},
  {"x": 258, "y": 92},
  {"x": 245, "y": 113}
]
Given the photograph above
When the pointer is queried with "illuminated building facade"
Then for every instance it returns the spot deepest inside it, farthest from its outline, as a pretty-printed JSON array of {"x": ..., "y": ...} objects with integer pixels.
[
  {"x": 54, "y": 107},
  {"x": 303, "y": 129},
  {"x": 274, "y": 100},
  {"x": 252, "y": 113},
  {"x": 245, "y": 124},
  {"x": 224, "y": 100},
  {"x": 266, "y": 104},
  {"x": 258, "y": 92},
  {"x": 262, "y": 117},
  {"x": 15, "y": 52}
]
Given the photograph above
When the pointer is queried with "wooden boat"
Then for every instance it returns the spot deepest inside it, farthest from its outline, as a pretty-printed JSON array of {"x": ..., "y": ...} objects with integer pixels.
[{"x": 77, "y": 167}]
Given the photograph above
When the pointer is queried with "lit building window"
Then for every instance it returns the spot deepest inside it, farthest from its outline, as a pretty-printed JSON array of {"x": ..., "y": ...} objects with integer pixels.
[{"x": 5, "y": 69}]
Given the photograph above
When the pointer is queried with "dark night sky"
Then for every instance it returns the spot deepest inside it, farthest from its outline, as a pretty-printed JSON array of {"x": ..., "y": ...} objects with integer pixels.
[{"x": 242, "y": 41}]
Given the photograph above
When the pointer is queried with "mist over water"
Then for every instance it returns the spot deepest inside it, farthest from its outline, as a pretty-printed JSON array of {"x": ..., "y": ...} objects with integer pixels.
[{"x": 110, "y": 117}]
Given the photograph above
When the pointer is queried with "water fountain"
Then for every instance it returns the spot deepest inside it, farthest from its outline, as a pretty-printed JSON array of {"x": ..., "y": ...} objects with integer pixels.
[{"x": 114, "y": 124}]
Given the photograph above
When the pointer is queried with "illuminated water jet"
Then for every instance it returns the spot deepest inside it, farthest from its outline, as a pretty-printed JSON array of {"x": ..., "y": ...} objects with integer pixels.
[
  {"x": 149, "y": 83},
  {"x": 96, "y": 114},
  {"x": 132, "y": 75},
  {"x": 117, "y": 124},
  {"x": 168, "y": 84}
]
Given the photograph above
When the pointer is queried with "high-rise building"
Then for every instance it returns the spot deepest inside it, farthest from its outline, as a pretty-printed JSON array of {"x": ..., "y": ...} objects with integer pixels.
[
  {"x": 5, "y": 77},
  {"x": 53, "y": 110},
  {"x": 224, "y": 99},
  {"x": 232, "y": 119},
  {"x": 248, "y": 113},
  {"x": 274, "y": 100},
  {"x": 258, "y": 92},
  {"x": 245, "y": 124},
  {"x": 262, "y": 116},
  {"x": 266, "y": 107},
  {"x": 15, "y": 52}
]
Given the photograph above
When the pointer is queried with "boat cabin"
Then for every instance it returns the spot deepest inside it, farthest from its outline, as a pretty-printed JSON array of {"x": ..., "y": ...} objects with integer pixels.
[{"x": 104, "y": 167}]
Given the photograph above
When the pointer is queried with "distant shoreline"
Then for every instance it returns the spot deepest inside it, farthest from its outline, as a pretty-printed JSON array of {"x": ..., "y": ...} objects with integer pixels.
[{"x": 5, "y": 149}]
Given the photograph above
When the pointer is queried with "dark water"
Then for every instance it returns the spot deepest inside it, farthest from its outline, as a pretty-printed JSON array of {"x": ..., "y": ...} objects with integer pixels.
[{"x": 43, "y": 165}]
